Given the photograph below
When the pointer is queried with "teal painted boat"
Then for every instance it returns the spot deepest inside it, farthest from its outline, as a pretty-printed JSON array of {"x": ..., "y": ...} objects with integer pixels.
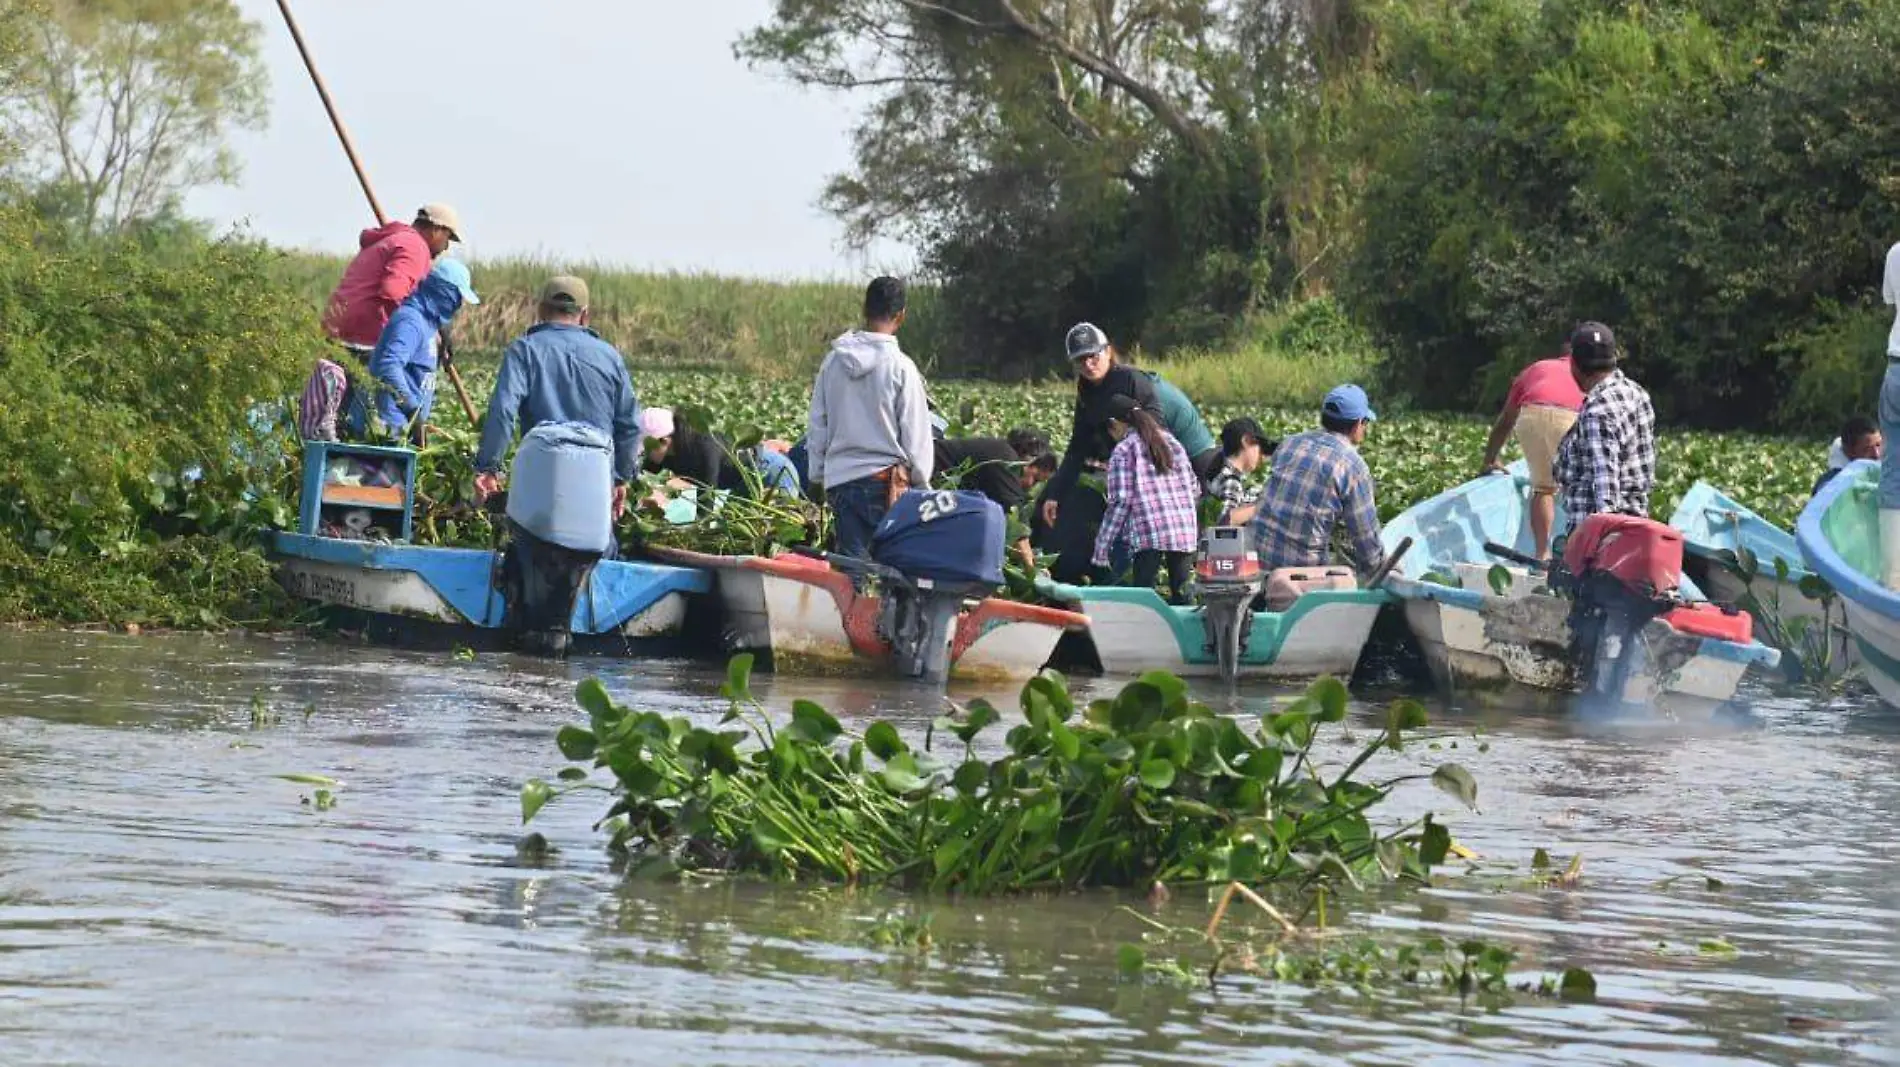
[
  {"x": 1742, "y": 560},
  {"x": 1838, "y": 534},
  {"x": 1137, "y": 630}
]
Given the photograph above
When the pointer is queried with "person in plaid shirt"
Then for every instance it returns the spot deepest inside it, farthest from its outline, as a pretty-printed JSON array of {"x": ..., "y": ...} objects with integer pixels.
[
  {"x": 1320, "y": 481},
  {"x": 1245, "y": 448},
  {"x": 1152, "y": 492},
  {"x": 1607, "y": 462}
]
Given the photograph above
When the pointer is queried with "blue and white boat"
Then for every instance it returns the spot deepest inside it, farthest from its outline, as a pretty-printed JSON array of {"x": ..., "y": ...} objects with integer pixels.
[
  {"x": 1740, "y": 559},
  {"x": 408, "y": 592},
  {"x": 1492, "y": 630},
  {"x": 1838, "y": 534}
]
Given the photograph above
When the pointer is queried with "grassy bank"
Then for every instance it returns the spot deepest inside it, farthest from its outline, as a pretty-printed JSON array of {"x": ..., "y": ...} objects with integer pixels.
[{"x": 780, "y": 330}]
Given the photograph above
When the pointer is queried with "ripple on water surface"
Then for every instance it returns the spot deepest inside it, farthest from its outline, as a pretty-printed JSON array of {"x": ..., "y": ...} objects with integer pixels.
[{"x": 165, "y": 898}]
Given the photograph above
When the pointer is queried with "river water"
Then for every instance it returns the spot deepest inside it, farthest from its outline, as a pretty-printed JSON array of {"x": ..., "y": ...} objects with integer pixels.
[{"x": 166, "y": 899}]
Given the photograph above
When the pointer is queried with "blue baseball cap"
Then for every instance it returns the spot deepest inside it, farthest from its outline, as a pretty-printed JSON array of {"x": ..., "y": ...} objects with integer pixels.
[
  {"x": 1348, "y": 402},
  {"x": 455, "y": 272}
]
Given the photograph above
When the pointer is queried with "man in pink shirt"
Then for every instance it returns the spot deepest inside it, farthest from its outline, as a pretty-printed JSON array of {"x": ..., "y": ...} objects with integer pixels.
[
  {"x": 1541, "y": 407},
  {"x": 395, "y": 257}
]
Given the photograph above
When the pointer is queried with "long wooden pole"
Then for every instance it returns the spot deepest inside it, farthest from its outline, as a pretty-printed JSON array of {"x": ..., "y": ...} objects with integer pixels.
[{"x": 362, "y": 178}]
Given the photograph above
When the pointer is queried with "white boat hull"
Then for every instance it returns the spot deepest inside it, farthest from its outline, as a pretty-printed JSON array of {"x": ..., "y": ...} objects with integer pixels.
[{"x": 1131, "y": 639}]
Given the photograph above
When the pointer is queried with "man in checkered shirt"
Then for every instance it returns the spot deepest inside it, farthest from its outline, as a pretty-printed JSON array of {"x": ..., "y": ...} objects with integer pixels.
[
  {"x": 1607, "y": 462},
  {"x": 1319, "y": 482}
]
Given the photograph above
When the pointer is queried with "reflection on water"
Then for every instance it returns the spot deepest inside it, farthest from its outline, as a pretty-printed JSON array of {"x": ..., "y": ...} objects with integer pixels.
[{"x": 165, "y": 899}]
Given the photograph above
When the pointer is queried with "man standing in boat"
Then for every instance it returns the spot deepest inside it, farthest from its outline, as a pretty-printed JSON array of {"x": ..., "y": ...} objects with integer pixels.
[
  {"x": 869, "y": 436},
  {"x": 1319, "y": 482},
  {"x": 1607, "y": 462},
  {"x": 561, "y": 371},
  {"x": 1540, "y": 409},
  {"x": 1889, "y": 426}
]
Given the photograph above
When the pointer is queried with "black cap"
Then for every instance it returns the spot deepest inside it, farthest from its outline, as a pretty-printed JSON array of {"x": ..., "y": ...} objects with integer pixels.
[
  {"x": 1121, "y": 406},
  {"x": 1233, "y": 436},
  {"x": 1593, "y": 346}
]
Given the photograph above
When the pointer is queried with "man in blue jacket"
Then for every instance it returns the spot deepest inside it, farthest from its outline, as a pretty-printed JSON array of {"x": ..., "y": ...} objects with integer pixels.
[
  {"x": 561, "y": 371},
  {"x": 403, "y": 362}
]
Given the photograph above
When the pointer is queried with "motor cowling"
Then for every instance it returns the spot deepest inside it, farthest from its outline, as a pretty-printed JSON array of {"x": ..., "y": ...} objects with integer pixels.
[
  {"x": 1643, "y": 555},
  {"x": 1227, "y": 581},
  {"x": 938, "y": 548}
]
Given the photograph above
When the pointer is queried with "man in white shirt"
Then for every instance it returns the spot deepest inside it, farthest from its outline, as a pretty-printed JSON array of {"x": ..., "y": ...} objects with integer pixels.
[{"x": 1890, "y": 425}]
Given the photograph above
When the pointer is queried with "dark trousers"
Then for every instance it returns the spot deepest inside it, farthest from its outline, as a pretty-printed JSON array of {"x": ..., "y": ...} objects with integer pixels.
[
  {"x": 1078, "y": 516},
  {"x": 856, "y": 509},
  {"x": 1148, "y": 563}
]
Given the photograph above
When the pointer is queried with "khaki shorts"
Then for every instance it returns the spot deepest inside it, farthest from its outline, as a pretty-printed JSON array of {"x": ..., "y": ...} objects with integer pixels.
[{"x": 1540, "y": 429}]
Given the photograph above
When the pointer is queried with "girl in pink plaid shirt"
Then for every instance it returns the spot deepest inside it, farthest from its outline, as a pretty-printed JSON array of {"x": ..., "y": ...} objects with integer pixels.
[{"x": 1152, "y": 497}]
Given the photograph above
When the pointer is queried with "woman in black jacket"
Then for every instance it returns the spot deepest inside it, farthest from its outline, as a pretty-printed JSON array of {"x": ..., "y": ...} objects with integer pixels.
[{"x": 1073, "y": 512}]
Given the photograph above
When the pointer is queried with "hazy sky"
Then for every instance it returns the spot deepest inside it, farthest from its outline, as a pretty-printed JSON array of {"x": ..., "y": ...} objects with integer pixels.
[{"x": 620, "y": 131}]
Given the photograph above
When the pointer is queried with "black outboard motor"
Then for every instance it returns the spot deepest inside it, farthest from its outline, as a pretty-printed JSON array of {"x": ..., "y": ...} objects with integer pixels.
[
  {"x": 934, "y": 551},
  {"x": 560, "y": 524}
]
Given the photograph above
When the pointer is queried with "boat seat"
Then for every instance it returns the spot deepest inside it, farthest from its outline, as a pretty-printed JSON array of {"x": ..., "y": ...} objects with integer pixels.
[{"x": 1288, "y": 584}]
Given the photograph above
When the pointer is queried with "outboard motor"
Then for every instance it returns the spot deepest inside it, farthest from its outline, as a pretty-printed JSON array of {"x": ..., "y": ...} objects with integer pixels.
[
  {"x": 934, "y": 551},
  {"x": 560, "y": 524},
  {"x": 1621, "y": 571},
  {"x": 1227, "y": 579}
]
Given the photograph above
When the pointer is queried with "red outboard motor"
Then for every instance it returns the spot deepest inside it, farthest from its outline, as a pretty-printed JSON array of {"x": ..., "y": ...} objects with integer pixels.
[{"x": 1622, "y": 571}]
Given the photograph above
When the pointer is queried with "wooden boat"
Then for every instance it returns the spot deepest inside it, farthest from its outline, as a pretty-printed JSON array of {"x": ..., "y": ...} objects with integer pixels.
[
  {"x": 412, "y": 593},
  {"x": 807, "y": 616},
  {"x": 1137, "y": 630},
  {"x": 1838, "y": 534},
  {"x": 1492, "y": 630},
  {"x": 1740, "y": 559}
]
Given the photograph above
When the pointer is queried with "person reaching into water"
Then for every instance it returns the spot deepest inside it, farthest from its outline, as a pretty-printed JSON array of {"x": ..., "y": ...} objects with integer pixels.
[
  {"x": 1152, "y": 492},
  {"x": 1320, "y": 481},
  {"x": 1860, "y": 439},
  {"x": 1540, "y": 409}
]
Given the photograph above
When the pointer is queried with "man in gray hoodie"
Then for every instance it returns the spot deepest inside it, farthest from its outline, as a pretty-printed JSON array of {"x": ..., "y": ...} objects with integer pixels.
[{"x": 870, "y": 422}]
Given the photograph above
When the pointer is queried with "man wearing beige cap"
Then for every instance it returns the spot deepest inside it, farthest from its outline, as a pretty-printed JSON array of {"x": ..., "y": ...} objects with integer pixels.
[
  {"x": 395, "y": 257},
  {"x": 561, "y": 371}
]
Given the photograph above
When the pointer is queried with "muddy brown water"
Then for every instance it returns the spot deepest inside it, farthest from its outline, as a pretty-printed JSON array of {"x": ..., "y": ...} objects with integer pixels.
[{"x": 164, "y": 899}]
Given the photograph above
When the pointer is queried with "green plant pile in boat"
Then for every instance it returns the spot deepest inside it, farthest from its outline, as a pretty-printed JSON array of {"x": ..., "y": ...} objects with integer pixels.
[
  {"x": 1147, "y": 786},
  {"x": 1806, "y": 642}
]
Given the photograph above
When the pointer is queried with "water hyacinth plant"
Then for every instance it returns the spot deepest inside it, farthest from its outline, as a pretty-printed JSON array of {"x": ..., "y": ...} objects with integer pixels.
[{"x": 1148, "y": 786}]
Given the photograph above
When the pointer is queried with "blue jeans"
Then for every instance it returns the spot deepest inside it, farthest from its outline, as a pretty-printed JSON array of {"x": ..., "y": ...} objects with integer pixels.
[
  {"x": 1889, "y": 426},
  {"x": 856, "y": 509}
]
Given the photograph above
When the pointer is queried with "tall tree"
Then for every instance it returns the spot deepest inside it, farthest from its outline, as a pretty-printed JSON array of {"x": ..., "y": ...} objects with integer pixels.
[{"x": 125, "y": 104}]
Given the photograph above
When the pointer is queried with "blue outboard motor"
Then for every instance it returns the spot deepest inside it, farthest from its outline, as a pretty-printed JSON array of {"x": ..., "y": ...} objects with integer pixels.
[
  {"x": 560, "y": 524},
  {"x": 933, "y": 551}
]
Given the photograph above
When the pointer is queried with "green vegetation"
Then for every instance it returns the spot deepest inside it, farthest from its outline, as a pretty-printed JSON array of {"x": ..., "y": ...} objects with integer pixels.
[
  {"x": 1149, "y": 786},
  {"x": 142, "y": 448},
  {"x": 1469, "y": 180}
]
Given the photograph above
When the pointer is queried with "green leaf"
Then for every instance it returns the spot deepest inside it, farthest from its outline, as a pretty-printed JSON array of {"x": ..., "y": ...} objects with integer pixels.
[
  {"x": 1330, "y": 695},
  {"x": 1067, "y": 744},
  {"x": 770, "y": 839},
  {"x": 1499, "y": 578},
  {"x": 1716, "y": 946},
  {"x": 1815, "y": 587},
  {"x": 738, "y": 677},
  {"x": 1172, "y": 687},
  {"x": 971, "y": 776},
  {"x": 814, "y": 722},
  {"x": 573, "y": 774},
  {"x": 1577, "y": 986},
  {"x": 882, "y": 741},
  {"x": 1434, "y": 844},
  {"x": 978, "y": 715},
  {"x": 575, "y": 743},
  {"x": 1540, "y": 860},
  {"x": 1403, "y": 715},
  {"x": 309, "y": 779},
  {"x": 1157, "y": 774},
  {"x": 1458, "y": 782},
  {"x": 1130, "y": 959},
  {"x": 535, "y": 794},
  {"x": 594, "y": 699}
]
